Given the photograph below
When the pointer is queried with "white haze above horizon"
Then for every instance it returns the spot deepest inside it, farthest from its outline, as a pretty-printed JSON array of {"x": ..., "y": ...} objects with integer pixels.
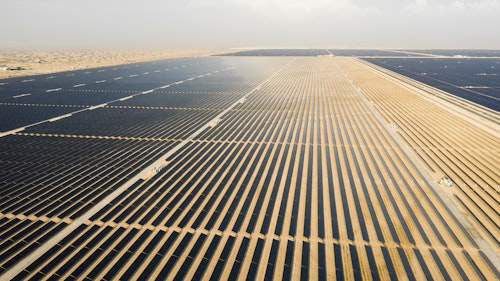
[{"x": 250, "y": 23}]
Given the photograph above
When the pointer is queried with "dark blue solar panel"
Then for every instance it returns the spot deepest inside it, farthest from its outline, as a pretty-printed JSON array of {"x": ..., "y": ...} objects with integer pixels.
[{"x": 475, "y": 80}]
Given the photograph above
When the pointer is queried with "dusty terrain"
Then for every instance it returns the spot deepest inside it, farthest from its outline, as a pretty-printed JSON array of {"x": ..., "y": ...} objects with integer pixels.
[{"x": 28, "y": 62}]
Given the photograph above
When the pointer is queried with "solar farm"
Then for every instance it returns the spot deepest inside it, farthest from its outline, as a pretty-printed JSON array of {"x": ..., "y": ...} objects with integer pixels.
[
  {"x": 472, "y": 79},
  {"x": 256, "y": 165}
]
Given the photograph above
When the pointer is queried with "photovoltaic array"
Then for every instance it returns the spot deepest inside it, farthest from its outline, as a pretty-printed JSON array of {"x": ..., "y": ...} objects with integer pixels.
[{"x": 236, "y": 167}]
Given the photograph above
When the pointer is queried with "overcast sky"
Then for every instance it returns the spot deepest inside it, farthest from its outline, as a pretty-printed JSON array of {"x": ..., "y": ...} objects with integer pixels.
[{"x": 250, "y": 23}]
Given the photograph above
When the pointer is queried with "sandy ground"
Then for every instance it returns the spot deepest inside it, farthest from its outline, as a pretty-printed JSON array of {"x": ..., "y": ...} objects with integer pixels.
[{"x": 28, "y": 62}]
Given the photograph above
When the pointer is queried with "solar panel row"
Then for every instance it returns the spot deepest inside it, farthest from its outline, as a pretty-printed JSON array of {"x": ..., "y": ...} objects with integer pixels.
[
  {"x": 128, "y": 253},
  {"x": 61, "y": 177},
  {"x": 299, "y": 179},
  {"x": 458, "y": 52},
  {"x": 475, "y": 80},
  {"x": 281, "y": 52},
  {"x": 58, "y": 170},
  {"x": 327, "y": 52},
  {"x": 450, "y": 147}
]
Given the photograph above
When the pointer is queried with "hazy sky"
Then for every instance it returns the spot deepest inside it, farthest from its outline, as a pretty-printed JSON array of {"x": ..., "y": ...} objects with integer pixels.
[{"x": 250, "y": 23}]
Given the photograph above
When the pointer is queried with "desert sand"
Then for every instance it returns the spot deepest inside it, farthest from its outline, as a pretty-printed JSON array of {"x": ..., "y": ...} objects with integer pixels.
[{"x": 29, "y": 62}]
